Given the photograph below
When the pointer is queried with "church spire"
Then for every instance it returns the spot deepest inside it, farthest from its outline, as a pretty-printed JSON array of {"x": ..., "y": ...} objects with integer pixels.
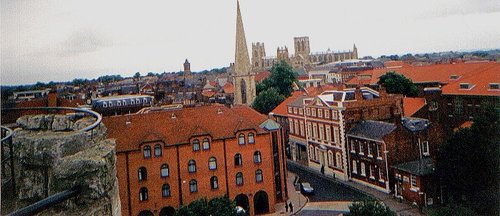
[{"x": 242, "y": 60}]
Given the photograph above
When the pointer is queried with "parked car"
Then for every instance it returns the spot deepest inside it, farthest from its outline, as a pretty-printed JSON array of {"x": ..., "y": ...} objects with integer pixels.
[{"x": 306, "y": 188}]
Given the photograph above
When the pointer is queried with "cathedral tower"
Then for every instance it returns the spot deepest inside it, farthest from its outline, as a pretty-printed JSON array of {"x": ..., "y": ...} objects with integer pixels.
[
  {"x": 187, "y": 68},
  {"x": 282, "y": 54},
  {"x": 258, "y": 54},
  {"x": 301, "y": 45},
  {"x": 243, "y": 78},
  {"x": 354, "y": 52}
]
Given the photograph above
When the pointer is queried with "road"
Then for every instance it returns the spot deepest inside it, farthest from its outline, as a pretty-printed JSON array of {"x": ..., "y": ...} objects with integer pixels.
[{"x": 326, "y": 190}]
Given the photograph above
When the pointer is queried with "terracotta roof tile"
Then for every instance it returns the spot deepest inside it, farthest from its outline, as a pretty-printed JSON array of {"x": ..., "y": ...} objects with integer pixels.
[
  {"x": 282, "y": 109},
  {"x": 178, "y": 126},
  {"x": 412, "y": 105},
  {"x": 479, "y": 81},
  {"x": 260, "y": 76}
]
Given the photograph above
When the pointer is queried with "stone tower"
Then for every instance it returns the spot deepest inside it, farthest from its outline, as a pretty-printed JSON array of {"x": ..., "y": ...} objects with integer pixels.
[
  {"x": 243, "y": 78},
  {"x": 187, "y": 68},
  {"x": 282, "y": 54},
  {"x": 302, "y": 46},
  {"x": 258, "y": 54},
  {"x": 354, "y": 52}
]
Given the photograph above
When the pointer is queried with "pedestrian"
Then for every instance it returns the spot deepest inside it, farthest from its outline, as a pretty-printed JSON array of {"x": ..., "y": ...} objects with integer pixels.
[
  {"x": 286, "y": 207},
  {"x": 291, "y": 207},
  {"x": 322, "y": 169}
]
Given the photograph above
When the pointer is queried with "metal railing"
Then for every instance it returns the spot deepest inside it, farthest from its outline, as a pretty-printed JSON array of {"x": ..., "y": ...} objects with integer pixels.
[{"x": 8, "y": 156}]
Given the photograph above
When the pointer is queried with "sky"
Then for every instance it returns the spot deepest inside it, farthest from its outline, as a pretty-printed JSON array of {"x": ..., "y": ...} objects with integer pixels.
[{"x": 60, "y": 40}]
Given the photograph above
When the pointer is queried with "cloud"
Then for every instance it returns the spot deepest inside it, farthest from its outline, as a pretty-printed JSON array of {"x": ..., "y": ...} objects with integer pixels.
[{"x": 83, "y": 41}]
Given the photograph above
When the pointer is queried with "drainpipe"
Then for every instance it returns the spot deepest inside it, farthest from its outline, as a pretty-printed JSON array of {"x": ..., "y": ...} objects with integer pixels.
[
  {"x": 306, "y": 132},
  {"x": 386, "y": 168},
  {"x": 419, "y": 148}
]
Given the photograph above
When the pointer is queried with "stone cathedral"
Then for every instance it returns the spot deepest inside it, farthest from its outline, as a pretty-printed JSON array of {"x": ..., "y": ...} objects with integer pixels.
[{"x": 242, "y": 74}]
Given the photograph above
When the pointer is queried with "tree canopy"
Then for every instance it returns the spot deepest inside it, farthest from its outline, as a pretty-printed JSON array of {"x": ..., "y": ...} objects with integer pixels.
[
  {"x": 203, "y": 207},
  {"x": 468, "y": 164},
  {"x": 274, "y": 89},
  {"x": 398, "y": 84},
  {"x": 369, "y": 207}
]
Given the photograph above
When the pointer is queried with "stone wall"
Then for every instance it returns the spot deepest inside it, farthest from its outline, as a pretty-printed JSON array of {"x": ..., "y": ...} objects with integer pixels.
[{"x": 52, "y": 155}]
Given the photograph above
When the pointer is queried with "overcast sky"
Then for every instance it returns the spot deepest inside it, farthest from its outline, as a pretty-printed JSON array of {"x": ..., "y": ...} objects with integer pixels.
[{"x": 59, "y": 40}]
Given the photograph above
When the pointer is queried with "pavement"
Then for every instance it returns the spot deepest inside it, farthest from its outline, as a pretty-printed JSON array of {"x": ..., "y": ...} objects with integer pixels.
[
  {"x": 298, "y": 200},
  {"x": 401, "y": 208}
]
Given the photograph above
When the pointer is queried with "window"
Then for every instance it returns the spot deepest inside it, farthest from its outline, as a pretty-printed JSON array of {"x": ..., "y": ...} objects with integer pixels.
[
  {"x": 206, "y": 144},
  {"x": 290, "y": 124},
  {"x": 321, "y": 132},
  {"x": 251, "y": 138},
  {"x": 257, "y": 157},
  {"x": 165, "y": 190},
  {"x": 258, "y": 176},
  {"x": 295, "y": 110},
  {"x": 380, "y": 174},
  {"x": 494, "y": 86},
  {"x": 425, "y": 148},
  {"x": 239, "y": 179},
  {"x": 328, "y": 133},
  {"x": 124, "y": 103},
  {"x": 192, "y": 166},
  {"x": 334, "y": 115},
  {"x": 315, "y": 130},
  {"x": 214, "y": 183},
  {"x": 147, "y": 151},
  {"x": 296, "y": 123},
  {"x": 320, "y": 113},
  {"x": 193, "y": 186},
  {"x": 212, "y": 163},
  {"x": 143, "y": 194},
  {"x": 327, "y": 114},
  {"x": 379, "y": 151},
  {"x": 143, "y": 174},
  {"x": 371, "y": 172},
  {"x": 354, "y": 167},
  {"x": 308, "y": 111},
  {"x": 132, "y": 102},
  {"x": 330, "y": 158},
  {"x": 241, "y": 139},
  {"x": 363, "y": 169},
  {"x": 465, "y": 86},
  {"x": 196, "y": 145},
  {"x": 237, "y": 160},
  {"x": 313, "y": 112},
  {"x": 339, "y": 160},
  {"x": 119, "y": 103},
  {"x": 104, "y": 104},
  {"x": 289, "y": 109},
  {"x": 413, "y": 181},
  {"x": 316, "y": 153},
  {"x": 311, "y": 152},
  {"x": 368, "y": 146},
  {"x": 301, "y": 111},
  {"x": 164, "y": 170},
  {"x": 157, "y": 150},
  {"x": 301, "y": 128},
  {"x": 361, "y": 148},
  {"x": 309, "y": 129},
  {"x": 336, "y": 135}
]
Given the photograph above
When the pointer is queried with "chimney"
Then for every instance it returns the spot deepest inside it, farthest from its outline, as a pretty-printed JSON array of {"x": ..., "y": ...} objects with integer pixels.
[{"x": 382, "y": 93}]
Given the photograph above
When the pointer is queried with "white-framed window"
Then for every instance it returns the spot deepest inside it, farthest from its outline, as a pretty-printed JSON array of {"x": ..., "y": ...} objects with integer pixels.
[
  {"x": 297, "y": 130},
  {"x": 379, "y": 151},
  {"x": 295, "y": 110},
  {"x": 309, "y": 129},
  {"x": 212, "y": 163},
  {"x": 320, "y": 113},
  {"x": 353, "y": 147},
  {"x": 104, "y": 104},
  {"x": 290, "y": 124},
  {"x": 334, "y": 115},
  {"x": 425, "y": 148},
  {"x": 316, "y": 153},
  {"x": 371, "y": 172},
  {"x": 290, "y": 109},
  {"x": 132, "y": 102},
  {"x": 328, "y": 133},
  {"x": 327, "y": 114},
  {"x": 308, "y": 111},
  {"x": 361, "y": 148},
  {"x": 354, "y": 167},
  {"x": 251, "y": 138},
  {"x": 413, "y": 181},
  {"x": 336, "y": 135},
  {"x": 315, "y": 130},
  {"x": 331, "y": 161},
  {"x": 118, "y": 103},
  {"x": 206, "y": 144},
  {"x": 380, "y": 175},
  {"x": 137, "y": 101},
  {"x": 301, "y": 111},
  {"x": 124, "y": 102},
  {"x": 370, "y": 153},
  {"x": 338, "y": 158},
  {"x": 302, "y": 128},
  {"x": 241, "y": 139},
  {"x": 313, "y": 112},
  {"x": 321, "y": 132},
  {"x": 363, "y": 169},
  {"x": 311, "y": 152}
]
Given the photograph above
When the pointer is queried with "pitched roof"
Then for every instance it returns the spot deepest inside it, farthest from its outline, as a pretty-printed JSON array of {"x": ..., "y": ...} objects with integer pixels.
[
  {"x": 412, "y": 105},
  {"x": 479, "y": 81},
  {"x": 260, "y": 76},
  {"x": 282, "y": 109},
  {"x": 178, "y": 126},
  {"x": 422, "y": 74},
  {"x": 375, "y": 130},
  {"x": 419, "y": 167},
  {"x": 228, "y": 88}
]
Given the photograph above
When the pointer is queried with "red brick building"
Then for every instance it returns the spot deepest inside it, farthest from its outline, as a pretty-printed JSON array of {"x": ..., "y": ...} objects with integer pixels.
[
  {"x": 415, "y": 182},
  {"x": 170, "y": 158}
]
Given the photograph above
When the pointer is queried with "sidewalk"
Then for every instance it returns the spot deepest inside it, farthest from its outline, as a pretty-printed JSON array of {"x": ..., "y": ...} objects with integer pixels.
[
  {"x": 298, "y": 200},
  {"x": 403, "y": 208}
]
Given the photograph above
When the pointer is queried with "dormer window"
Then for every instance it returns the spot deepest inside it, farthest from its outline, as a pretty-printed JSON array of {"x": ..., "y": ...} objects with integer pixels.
[
  {"x": 494, "y": 86},
  {"x": 454, "y": 77},
  {"x": 465, "y": 85}
]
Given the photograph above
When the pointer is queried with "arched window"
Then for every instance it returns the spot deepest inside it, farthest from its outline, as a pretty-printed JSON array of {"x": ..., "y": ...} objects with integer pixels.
[
  {"x": 165, "y": 190},
  {"x": 157, "y": 150},
  {"x": 212, "y": 163},
  {"x": 143, "y": 194},
  {"x": 258, "y": 176},
  {"x": 206, "y": 144},
  {"x": 193, "y": 186},
  {"x": 164, "y": 170},
  {"x": 241, "y": 139},
  {"x": 147, "y": 151},
  {"x": 257, "y": 157},
  {"x": 238, "y": 160},
  {"x": 214, "y": 183},
  {"x": 192, "y": 166},
  {"x": 239, "y": 179},
  {"x": 143, "y": 174},
  {"x": 196, "y": 145},
  {"x": 251, "y": 138}
]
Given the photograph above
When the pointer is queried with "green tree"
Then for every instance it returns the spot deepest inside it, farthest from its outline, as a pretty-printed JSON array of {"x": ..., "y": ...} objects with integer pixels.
[
  {"x": 222, "y": 206},
  {"x": 468, "y": 164},
  {"x": 369, "y": 207},
  {"x": 267, "y": 100},
  {"x": 137, "y": 75},
  {"x": 282, "y": 78},
  {"x": 452, "y": 210},
  {"x": 398, "y": 84}
]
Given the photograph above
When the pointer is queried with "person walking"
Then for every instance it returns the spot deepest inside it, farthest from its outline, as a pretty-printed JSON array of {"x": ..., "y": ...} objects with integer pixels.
[
  {"x": 286, "y": 207},
  {"x": 291, "y": 207},
  {"x": 322, "y": 169}
]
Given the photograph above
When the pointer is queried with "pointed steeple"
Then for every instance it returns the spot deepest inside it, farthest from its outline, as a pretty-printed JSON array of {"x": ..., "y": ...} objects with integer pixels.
[
  {"x": 242, "y": 61},
  {"x": 354, "y": 52}
]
